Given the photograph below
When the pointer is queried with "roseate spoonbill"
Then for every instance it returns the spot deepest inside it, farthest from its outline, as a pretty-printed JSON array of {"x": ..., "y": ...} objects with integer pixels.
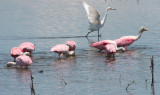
[
  {"x": 128, "y": 40},
  {"x": 60, "y": 49},
  {"x": 27, "y": 47},
  {"x": 94, "y": 18},
  {"x": 21, "y": 61},
  {"x": 101, "y": 44},
  {"x": 16, "y": 51},
  {"x": 72, "y": 47}
]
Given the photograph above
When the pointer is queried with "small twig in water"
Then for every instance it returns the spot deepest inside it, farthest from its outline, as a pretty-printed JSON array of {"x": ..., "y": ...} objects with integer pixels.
[
  {"x": 32, "y": 85},
  {"x": 152, "y": 71},
  {"x": 146, "y": 82},
  {"x": 62, "y": 79},
  {"x": 120, "y": 79},
  {"x": 129, "y": 84}
]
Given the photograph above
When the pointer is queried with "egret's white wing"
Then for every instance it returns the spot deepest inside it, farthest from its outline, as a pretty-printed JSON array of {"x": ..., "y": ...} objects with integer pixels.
[{"x": 93, "y": 15}]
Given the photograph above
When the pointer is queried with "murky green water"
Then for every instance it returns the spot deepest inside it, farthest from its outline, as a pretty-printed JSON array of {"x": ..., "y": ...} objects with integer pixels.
[{"x": 50, "y": 22}]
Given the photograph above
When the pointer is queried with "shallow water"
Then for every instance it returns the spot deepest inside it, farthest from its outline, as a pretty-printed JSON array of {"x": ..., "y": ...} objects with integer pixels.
[{"x": 50, "y": 22}]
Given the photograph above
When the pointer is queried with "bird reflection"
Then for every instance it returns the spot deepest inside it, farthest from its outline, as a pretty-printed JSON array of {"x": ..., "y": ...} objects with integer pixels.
[
  {"x": 129, "y": 52},
  {"x": 129, "y": 92},
  {"x": 23, "y": 75},
  {"x": 69, "y": 61},
  {"x": 90, "y": 41},
  {"x": 111, "y": 62}
]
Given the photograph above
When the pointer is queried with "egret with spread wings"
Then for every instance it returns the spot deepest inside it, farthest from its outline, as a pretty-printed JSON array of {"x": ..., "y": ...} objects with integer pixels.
[{"x": 94, "y": 18}]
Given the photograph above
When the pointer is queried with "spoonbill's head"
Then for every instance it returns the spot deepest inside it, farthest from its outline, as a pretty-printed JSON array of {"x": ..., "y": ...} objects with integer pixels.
[
  {"x": 109, "y": 8},
  {"x": 144, "y": 29}
]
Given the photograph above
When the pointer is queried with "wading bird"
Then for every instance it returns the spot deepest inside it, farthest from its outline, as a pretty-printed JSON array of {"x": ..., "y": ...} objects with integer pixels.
[
  {"x": 16, "y": 51},
  {"x": 68, "y": 48},
  {"x": 94, "y": 18},
  {"x": 21, "y": 61},
  {"x": 27, "y": 47},
  {"x": 128, "y": 40},
  {"x": 60, "y": 49},
  {"x": 101, "y": 45}
]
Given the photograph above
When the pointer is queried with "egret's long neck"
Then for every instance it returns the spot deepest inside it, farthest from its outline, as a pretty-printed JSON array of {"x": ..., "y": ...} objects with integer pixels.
[
  {"x": 139, "y": 35},
  {"x": 104, "y": 18}
]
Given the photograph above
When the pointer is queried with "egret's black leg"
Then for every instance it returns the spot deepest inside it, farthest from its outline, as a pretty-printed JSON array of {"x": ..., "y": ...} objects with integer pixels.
[
  {"x": 98, "y": 34},
  {"x": 88, "y": 33}
]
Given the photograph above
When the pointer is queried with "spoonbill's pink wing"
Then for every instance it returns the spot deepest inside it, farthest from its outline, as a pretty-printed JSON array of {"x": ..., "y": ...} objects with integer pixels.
[
  {"x": 101, "y": 44},
  {"x": 60, "y": 48},
  {"x": 125, "y": 41}
]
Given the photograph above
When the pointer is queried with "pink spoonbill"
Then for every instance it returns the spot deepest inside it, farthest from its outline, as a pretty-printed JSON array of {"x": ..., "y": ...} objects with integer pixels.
[
  {"x": 27, "y": 47},
  {"x": 101, "y": 44},
  {"x": 128, "y": 40},
  {"x": 21, "y": 61},
  {"x": 68, "y": 48},
  {"x": 16, "y": 51},
  {"x": 60, "y": 49}
]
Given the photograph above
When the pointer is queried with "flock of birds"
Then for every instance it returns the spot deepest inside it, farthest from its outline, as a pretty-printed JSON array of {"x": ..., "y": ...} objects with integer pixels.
[{"x": 22, "y": 53}]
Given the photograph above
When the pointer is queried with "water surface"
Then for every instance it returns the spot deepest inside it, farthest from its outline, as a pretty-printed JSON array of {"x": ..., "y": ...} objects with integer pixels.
[{"x": 50, "y": 22}]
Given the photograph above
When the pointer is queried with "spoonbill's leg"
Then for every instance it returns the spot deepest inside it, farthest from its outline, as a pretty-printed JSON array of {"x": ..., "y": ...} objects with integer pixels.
[{"x": 60, "y": 55}]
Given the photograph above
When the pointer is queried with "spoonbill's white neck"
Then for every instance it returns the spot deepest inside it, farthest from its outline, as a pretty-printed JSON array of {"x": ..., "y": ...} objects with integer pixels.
[{"x": 139, "y": 34}]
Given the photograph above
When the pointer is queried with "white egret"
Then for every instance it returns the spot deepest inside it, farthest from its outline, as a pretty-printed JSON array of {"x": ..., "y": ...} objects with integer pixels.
[{"x": 94, "y": 18}]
